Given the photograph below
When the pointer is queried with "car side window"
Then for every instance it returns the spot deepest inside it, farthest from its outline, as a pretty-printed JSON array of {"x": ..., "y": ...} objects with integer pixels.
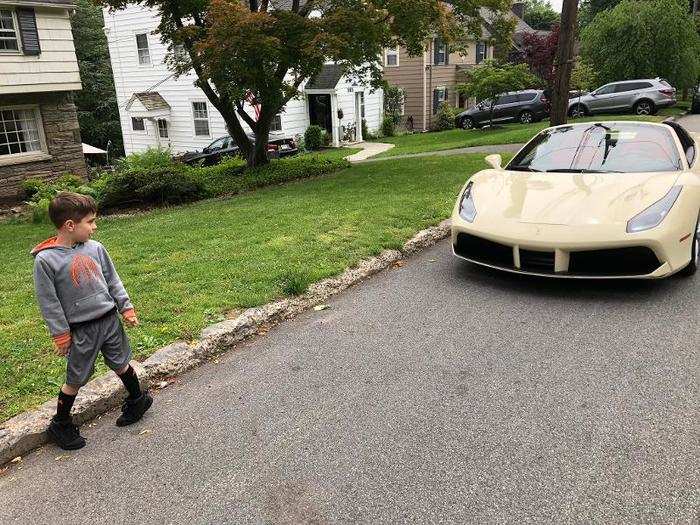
[
  {"x": 687, "y": 143},
  {"x": 217, "y": 144},
  {"x": 526, "y": 97},
  {"x": 606, "y": 90},
  {"x": 624, "y": 88},
  {"x": 508, "y": 99}
]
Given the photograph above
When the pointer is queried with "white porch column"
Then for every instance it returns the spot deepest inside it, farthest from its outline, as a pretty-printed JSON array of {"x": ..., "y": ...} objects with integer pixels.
[{"x": 335, "y": 122}]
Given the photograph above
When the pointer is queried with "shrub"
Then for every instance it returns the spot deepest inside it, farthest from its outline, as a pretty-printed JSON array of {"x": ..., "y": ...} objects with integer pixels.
[
  {"x": 294, "y": 282},
  {"x": 445, "y": 117},
  {"x": 313, "y": 137},
  {"x": 388, "y": 126},
  {"x": 152, "y": 158}
]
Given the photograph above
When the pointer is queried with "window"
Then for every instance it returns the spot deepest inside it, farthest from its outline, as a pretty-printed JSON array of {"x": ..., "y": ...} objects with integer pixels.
[
  {"x": 20, "y": 131},
  {"x": 276, "y": 124},
  {"x": 142, "y": 49},
  {"x": 439, "y": 96},
  {"x": 392, "y": 57},
  {"x": 8, "y": 31},
  {"x": 526, "y": 97},
  {"x": 507, "y": 99},
  {"x": 606, "y": 90},
  {"x": 218, "y": 144},
  {"x": 163, "y": 128},
  {"x": 138, "y": 124},
  {"x": 631, "y": 86},
  {"x": 481, "y": 52},
  {"x": 201, "y": 119},
  {"x": 440, "y": 56}
]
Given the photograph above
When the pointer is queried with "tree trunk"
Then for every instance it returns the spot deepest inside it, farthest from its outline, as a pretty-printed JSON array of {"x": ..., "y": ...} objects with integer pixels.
[
  {"x": 563, "y": 64},
  {"x": 258, "y": 155}
]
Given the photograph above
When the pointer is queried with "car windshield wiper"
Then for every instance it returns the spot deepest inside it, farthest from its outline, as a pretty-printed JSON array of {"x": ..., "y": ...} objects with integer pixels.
[
  {"x": 523, "y": 168},
  {"x": 581, "y": 170}
]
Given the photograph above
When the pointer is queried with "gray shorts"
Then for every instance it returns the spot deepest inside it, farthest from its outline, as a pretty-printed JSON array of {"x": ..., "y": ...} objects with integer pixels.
[{"x": 105, "y": 335}]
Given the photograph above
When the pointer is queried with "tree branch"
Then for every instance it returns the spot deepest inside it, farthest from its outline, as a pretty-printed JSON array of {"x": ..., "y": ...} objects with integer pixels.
[
  {"x": 264, "y": 5},
  {"x": 295, "y": 6},
  {"x": 247, "y": 118},
  {"x": 254, "y": 6}
]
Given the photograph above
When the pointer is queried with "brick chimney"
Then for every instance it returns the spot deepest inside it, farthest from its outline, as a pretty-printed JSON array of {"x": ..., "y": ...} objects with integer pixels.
[{"x": 519, "y": 9}]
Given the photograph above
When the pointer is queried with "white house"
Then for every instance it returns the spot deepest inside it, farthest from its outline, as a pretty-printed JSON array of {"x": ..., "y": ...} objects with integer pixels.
[
  {"x": 39, "y": 131},
  {"x": 156, "y": 109}
]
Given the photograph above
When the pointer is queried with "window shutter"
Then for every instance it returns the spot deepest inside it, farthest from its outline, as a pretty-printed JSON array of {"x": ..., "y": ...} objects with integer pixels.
[
  {"x": 447, "y": 99},
  {"x": 27, "y": 29},
  {"x": 436, "y": 48},
  {"x": 435, "y": 101},
  {"x": 447, "y": 54}
]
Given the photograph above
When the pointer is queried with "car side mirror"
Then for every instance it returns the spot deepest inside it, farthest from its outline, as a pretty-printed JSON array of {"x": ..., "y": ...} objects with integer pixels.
[
  {"x": 205, "y": 150},
  {"x": 494, "y": 161}
]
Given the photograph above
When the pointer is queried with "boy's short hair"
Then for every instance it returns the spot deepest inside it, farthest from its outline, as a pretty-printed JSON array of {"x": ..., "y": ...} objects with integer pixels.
[{"x": 70, "y": 206}]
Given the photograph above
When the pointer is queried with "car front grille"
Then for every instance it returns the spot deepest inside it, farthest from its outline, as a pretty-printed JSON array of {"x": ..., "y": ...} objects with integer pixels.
[
  {"x": 538, "y": 262},
  {"x": 484, "y": 251},
  {"x": 637, "y": 260}
]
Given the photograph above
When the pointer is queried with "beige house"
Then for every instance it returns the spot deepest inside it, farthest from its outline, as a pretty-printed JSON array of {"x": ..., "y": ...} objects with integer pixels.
[
  {"x": 430, "y": 79},
  {"x": 39, "y": 131}
]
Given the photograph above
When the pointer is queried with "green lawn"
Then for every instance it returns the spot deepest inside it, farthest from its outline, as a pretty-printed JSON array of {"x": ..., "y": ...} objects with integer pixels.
[
  {"x": 187, "y": 267},
  {"x": 506, "y": 134}
]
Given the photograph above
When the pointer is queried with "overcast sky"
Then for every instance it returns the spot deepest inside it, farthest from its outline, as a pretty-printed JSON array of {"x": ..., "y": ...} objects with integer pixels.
[{"x": 556, "y": 4}]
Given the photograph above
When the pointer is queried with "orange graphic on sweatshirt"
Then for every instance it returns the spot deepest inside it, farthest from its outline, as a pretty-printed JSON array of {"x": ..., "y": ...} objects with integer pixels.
[{"x": 83, "y": 269}]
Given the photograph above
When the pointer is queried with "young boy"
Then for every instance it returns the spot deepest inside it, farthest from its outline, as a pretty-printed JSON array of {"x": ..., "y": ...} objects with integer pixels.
[{"x": 80, "y": 293}]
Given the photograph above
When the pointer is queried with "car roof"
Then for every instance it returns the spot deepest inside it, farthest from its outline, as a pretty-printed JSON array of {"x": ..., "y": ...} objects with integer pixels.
[{"x": 612, "y": 122}]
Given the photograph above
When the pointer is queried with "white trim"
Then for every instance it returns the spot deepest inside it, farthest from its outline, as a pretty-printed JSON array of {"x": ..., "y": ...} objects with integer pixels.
[
  {"x": 30, "y": 3},
  {"x": 29, "y": 156},
  {"x": 330, "y": 91},
  {"x": 39, "y": 88},
  {"x": 194, "y": 131},
  {"x": 386, "y": 54}
]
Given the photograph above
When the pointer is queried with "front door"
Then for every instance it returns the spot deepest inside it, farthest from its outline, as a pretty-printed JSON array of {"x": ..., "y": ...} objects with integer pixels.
[{"x": 320, "y": 112}]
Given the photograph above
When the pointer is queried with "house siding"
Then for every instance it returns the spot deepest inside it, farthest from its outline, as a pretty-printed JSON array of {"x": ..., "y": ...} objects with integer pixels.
[
  {"x": 130, "y": 77},
  {"x": 54, "y": 69}
]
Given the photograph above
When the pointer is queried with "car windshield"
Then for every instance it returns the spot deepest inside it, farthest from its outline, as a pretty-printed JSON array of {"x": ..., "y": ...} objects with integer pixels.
[{"x": 621, "y": 148}]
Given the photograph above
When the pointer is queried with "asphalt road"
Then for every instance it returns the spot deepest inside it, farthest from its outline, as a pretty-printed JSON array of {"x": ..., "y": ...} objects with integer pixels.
[{"x": 433, "y": 392}]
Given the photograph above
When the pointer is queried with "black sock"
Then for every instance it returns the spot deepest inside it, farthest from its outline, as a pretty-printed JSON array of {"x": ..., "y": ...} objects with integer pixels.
[
  {"x": 65, "y": 403},
  {"x": 131, "y": 382}
]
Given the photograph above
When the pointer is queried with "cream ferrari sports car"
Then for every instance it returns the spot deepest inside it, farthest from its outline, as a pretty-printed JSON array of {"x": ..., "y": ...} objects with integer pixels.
[{"x": 590, "y": 200}]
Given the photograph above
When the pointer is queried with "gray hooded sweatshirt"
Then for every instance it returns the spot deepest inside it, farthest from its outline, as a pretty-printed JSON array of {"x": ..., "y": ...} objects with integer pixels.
[{"x": 77, "y": 284}]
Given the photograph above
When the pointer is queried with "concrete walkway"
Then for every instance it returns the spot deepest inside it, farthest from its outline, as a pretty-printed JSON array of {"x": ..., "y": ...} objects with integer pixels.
[
  {"x": 691, "y": 123},
  {"x": 496, "y": 148},
  {"x": 369, "y": 149}
]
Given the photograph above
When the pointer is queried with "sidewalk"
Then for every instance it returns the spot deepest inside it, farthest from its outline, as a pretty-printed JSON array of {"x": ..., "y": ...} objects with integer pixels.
[
  {"x": 369, "y": 149},
  {"x": 496, "y": 148}
]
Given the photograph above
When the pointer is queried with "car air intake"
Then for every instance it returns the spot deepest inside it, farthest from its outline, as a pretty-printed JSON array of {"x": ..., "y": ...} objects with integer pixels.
[
  {"x": 538, "y": 262},
  {"x": 484, "y": 251},
  {"x": 638, "y": 260}
]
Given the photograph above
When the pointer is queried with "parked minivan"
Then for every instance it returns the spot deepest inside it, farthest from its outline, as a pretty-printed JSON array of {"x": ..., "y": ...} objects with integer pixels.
[
  {"x": 642, "y": 97},
  {"x": 695, "y": 106},
  {"x": 522, "y": 106}
]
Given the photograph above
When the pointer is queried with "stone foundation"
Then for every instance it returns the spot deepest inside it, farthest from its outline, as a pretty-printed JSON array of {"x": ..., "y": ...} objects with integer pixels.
[{"x": 62, "y": 132}]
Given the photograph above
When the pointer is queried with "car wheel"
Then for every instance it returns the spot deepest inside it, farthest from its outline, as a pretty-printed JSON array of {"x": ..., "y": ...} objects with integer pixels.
[
  {"x": 526, "y": 117},
  {"x": 468, "y": 123},
  {"x": 643, "y": 107},
  {"x": 694, "y": 254},
  {"x": 577, "y": 111}
]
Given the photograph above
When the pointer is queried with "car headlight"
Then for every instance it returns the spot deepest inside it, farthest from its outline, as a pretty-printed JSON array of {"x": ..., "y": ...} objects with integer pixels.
[
  {"x": 467, "y": 209},
  {"x": 654, "y": 214}
]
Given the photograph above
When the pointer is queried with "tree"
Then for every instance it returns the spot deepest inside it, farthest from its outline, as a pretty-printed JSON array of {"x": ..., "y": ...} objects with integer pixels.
[
  {"x": 491, "y": 78},
  {"x": 583, "y": 76},
  {"x": 538, "y": 53},
  {"x": 590, "y": 8},
  {"x": 98, "y": 112},
  {"x": 264, "y": 50},
  {"x": 563, "y": 63},
  {"x": 394, "y": 98},
  {"x": 654, "y": 38},
  {"x": 540, "y": 15}
]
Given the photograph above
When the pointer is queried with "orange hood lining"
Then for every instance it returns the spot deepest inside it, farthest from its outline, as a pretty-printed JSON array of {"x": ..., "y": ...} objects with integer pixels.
[{"x": 45, "y": 245}]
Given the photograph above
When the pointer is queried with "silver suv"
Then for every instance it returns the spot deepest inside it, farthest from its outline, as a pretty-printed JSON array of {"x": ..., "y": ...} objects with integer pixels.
[{"x": 642, "y": 97}]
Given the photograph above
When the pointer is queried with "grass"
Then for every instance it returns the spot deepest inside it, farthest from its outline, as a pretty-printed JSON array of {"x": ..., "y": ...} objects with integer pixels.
[
  {"x": 187, "y": 267},
  {"x": 507, "y": 134}
]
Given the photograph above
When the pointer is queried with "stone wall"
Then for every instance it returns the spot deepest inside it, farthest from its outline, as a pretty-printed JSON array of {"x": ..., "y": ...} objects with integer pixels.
[{"x": 63, "y": 141}]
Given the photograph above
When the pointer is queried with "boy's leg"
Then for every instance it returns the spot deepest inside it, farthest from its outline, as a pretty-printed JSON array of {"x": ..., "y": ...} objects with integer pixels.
[
  {"x": 117, "y": 354},
  {"x": 61, "y": 430}
]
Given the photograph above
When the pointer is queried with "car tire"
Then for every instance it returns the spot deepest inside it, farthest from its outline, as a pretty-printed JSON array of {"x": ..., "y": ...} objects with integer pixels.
[
  {"x": 643, "y": 107},
  {"x": 467, "y": 123},
  {"x": 577, "y": 111},
  {"x": 526, "y": 117},
  {"x": 694, "y": 254}
]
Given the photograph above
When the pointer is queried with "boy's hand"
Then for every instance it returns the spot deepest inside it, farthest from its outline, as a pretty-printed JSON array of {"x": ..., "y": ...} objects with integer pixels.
[
  {"x": 61, "y": 343},
  {"x": 130, "y": 317}
]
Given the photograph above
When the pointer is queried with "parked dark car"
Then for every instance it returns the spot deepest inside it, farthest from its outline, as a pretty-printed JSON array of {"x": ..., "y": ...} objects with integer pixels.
[
  {"x": 521, "y": 106},
  {"x": 695, "y": 105},
  {"x": 226, "y": 147}
]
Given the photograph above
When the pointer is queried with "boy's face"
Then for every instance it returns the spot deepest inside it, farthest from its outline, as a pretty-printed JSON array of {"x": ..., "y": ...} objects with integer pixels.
[{"x": 82, "y": 230}]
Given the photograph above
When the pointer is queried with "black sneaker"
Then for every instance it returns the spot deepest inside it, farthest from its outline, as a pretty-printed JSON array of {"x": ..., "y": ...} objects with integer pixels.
[
  {"x": 134, "y": 409},
  {"x": 65, "y": 434}
]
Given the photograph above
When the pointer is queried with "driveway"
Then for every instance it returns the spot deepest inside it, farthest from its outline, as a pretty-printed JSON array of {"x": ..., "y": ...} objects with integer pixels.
[
  {"x": 691, "y": 123},
  {"x": 436, "y": 391}
]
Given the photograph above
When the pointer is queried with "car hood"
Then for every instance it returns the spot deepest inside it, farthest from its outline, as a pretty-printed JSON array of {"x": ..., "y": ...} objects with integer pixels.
[{"x": 567, "y": 198}]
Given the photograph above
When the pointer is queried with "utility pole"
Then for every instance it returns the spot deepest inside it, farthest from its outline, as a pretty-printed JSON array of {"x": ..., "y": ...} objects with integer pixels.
[{"x": 563, "y": 63}]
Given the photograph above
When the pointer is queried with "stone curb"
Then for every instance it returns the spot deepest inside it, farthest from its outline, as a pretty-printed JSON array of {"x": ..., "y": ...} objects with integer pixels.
[{"x": 26, "y": 431}]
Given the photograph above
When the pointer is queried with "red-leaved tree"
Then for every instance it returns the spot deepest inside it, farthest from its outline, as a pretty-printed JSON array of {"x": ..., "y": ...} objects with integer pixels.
[{"x": 539, "y": 52}]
